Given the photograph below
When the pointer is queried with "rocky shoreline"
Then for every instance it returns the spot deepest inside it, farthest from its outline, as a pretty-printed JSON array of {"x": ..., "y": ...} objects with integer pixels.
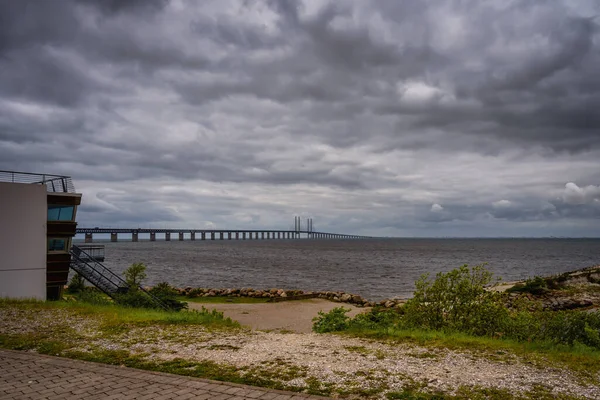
[
  {"x": 571, "y": 292},
  {"x": 275, "y": 295}
]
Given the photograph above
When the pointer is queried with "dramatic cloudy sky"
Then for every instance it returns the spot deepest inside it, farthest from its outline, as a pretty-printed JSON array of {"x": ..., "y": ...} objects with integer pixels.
[{"x": 399, "y": 118}]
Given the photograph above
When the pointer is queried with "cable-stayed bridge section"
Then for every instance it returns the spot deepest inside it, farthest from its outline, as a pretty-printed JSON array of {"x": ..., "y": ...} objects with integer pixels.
[{"x": 299, "y": 232}]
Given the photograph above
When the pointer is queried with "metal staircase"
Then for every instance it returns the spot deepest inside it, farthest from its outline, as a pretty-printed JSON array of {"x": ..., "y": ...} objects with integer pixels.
[{"x": 103, "y": 278}]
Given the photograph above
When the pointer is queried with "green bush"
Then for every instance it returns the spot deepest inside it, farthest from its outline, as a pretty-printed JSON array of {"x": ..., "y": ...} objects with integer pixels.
[
  {"x": 135, "y": 298},
  {"x": 168, "y": 295},
  {"x": 135, "y": 274},
  {"x": 76, "y": 284},
  {"x": 91, "y": 295},
  {"x": 377, "y": 318},
  {"x": 536, "y": 286},
  {"x": 570, "y": 327},
  {"x": 456, "y": 301},
  {"x": 335, "y": 320}
]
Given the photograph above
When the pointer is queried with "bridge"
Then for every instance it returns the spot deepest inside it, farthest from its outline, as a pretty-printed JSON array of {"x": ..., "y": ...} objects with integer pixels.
[{"x": 219, "y": 234}]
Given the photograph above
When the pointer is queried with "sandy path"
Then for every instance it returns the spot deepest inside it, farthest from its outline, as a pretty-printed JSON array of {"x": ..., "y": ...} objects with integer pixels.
[{"x": 294, "y": 315}]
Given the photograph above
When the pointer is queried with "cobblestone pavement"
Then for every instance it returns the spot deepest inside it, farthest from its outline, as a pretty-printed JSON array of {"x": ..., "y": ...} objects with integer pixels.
[{"x": 34, "y": 376}]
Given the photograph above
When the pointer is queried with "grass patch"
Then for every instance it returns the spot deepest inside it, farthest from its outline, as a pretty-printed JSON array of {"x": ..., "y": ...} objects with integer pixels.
[
  {"x": 115, "y": 315},
  {"x": 223, "y": 300}
]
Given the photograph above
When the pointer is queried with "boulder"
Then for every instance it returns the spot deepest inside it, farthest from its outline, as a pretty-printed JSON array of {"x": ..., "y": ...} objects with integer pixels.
[{"x": 345, "y": 297}]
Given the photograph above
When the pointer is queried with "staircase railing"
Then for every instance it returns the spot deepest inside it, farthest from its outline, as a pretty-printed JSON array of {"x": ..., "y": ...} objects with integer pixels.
[{"x": 103, "y": 278}]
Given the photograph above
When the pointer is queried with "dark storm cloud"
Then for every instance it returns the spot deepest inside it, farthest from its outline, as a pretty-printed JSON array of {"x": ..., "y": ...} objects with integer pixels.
[{"x": 388, "y": 117}]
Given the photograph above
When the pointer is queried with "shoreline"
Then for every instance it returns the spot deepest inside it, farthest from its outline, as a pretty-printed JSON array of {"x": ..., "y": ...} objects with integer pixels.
[
  {"x": 278, "y": 295},
  {"x": 551, "y": 299}
]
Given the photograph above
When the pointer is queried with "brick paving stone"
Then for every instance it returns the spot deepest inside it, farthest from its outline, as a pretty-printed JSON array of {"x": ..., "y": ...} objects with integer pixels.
[{"x": 25, "y": 376}]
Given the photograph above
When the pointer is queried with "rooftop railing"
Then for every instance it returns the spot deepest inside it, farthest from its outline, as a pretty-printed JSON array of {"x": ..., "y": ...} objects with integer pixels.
[{"x": 54, "y": 183}]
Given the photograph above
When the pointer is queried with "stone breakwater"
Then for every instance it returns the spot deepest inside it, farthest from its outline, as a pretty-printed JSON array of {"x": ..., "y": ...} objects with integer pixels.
[{"x": 283, "y": 295}]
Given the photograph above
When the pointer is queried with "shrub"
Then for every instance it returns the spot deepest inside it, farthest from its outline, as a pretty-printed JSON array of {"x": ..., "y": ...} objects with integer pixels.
[
  {"x": 377, "y": 318},
  {"x": 456, "y": 301},
  {"x": 76, "y": 284},
  {"x": 168, "y": 295},
  {"x": 135, "y": 298},
  {"x": 535, "y": 286},
  {"x": 570, "y": 327},
  {"x": 92, "y": 296},
  {"x": 135, "y": 274},
  {"x": 334, "y": 321}
]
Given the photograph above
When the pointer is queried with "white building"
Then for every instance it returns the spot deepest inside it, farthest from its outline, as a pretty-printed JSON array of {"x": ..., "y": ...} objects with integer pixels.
[{"x": 37, "y": 224}]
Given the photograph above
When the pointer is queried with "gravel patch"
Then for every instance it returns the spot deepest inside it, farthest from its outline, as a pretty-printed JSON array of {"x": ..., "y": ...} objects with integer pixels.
[{"x": 341, "y": 363}]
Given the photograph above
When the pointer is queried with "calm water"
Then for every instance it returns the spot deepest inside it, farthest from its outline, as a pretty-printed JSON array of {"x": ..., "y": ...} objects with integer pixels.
[{"x": 375, "y": 269}]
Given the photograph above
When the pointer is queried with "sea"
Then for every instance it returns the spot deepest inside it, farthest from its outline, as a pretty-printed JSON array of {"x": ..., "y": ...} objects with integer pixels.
[{"x": 373, "y": 268}]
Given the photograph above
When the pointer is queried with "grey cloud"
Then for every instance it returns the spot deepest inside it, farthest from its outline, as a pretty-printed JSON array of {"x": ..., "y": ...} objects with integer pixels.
[
  {"x": 575, "y": 195},
  {"x": 362, "y": 114},
  {"x": 116, "y": 6}
]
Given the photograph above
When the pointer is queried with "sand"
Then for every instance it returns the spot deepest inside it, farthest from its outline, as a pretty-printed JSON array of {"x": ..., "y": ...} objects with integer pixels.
[{"x": 294, "y": 316}]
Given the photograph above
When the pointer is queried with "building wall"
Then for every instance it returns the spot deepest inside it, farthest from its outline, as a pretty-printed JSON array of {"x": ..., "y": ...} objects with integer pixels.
[{"x": 23, "y": 215}]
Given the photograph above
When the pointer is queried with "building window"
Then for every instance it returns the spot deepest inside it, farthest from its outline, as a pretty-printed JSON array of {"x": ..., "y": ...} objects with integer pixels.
[
  {"x": 60, "y": 213},
  {"x": 55, "y": 244}
]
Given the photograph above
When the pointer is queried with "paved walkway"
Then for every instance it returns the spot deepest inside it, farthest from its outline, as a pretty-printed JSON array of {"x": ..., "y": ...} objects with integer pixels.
[{"x": 34, "y": 376}]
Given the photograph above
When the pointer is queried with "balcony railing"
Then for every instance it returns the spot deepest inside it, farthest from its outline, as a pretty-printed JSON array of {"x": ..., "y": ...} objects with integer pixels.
[{"x": 54, "y": 183}]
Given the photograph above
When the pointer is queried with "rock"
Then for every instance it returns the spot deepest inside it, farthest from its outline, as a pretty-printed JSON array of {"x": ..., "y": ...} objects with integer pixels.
[
  {"x": 345, "y": 297},
  {"x": 357, "y": 299},
  {"x": 335, "y": 298},
  {"x": 389, "y": 304},
  {"x": 283, "y": 294}
]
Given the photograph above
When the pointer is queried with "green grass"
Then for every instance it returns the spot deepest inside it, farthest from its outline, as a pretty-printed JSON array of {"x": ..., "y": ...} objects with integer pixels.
[
  {"x": 118, "y": 315},
  {"x": 223, "y": 300}
]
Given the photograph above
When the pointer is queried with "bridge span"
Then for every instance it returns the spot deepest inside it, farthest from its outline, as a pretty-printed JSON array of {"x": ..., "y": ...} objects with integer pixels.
[{"x": 214, "y": 234}]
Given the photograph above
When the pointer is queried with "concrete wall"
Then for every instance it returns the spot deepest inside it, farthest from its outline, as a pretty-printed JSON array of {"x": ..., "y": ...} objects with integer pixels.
[{"x": 23, "y": 215}]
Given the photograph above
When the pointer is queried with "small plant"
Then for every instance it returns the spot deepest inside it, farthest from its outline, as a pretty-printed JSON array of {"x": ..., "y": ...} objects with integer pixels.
[
  {"x": 90, "y": 295},
  {"x": 136, "y": 299},
  {"x": 536, "y": 286},
  {"x": 334, "y": 321},
  {"x": 377, "y": 318},
  {"x": 135, "y": 274},
  {"x": 168, "y": 295},
  {"x": 76, "y": 284}
]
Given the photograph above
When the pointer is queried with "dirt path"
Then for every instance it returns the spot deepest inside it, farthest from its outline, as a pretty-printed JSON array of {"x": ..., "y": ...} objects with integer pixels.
[{"x": 295, "y": 316}]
